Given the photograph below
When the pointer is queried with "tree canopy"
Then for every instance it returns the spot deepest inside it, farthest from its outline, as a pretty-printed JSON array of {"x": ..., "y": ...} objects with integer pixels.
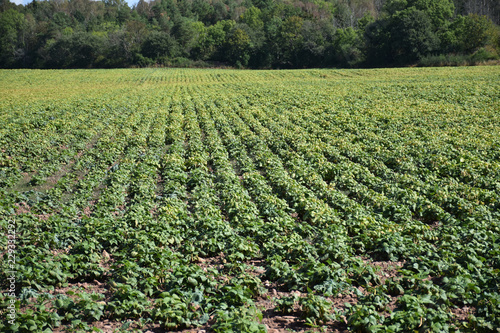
[{"x": 248, "y": 33}]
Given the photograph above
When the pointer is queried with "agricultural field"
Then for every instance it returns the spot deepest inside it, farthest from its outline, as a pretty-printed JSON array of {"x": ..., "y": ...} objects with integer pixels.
[{"x": 162, "y": 200}]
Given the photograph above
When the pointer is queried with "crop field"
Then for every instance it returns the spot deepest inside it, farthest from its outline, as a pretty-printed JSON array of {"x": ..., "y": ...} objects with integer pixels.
[{"x": 162, "y": 200}]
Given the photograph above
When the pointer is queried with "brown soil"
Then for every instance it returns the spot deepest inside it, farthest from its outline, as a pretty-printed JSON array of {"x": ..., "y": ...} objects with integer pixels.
[
  {"x": 22, "y": 208},
  {"x": 388, "y": 269},
  {"x": 463, "y": 313}
]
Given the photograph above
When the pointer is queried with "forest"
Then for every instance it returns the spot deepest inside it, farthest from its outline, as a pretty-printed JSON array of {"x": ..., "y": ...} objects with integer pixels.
[{"x": 248, "y": 33}]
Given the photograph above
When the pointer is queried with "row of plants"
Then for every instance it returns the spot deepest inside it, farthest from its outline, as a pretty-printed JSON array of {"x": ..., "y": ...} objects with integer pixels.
[{"x": 224, "y": 201}]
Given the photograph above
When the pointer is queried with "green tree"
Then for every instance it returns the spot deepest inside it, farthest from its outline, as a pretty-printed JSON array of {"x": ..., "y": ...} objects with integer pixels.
[
  {"x": 12, "y": 24},
  {"x": 412, "y": 36},
  {"x": 253, "y": 18},
  {"x": 203, "y": 10},
  {"x": 402, "y": 38},
  {"x": 160, "y": 45},
  {"x": 238, "y": 48},
  {"x": 210, "y": 41},
  {"x": 343, "y": 16},
  {"x": 471, "y": 32},
  {"x": 78, "y": 50},
  {"x": 347, "y": 45},
  {"x": 438, "y": 11},
  {"x": 6, "y": 5},
  {"x": 219, "y": 13},
  {"x": 124, "y": 45},
  {"x": 273, "y": 45},
  {"x": 314, "y": 46},
  {"x": 291, "y": 40},
  {"x": 186, "y": 33}
]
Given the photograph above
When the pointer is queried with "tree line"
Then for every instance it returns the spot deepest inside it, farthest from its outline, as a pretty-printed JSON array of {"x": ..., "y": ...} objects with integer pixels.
[{"x": 247, "y": 33}]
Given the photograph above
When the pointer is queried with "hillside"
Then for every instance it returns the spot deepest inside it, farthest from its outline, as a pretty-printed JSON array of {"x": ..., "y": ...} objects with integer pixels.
[{"x": 252, "y": 34}]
